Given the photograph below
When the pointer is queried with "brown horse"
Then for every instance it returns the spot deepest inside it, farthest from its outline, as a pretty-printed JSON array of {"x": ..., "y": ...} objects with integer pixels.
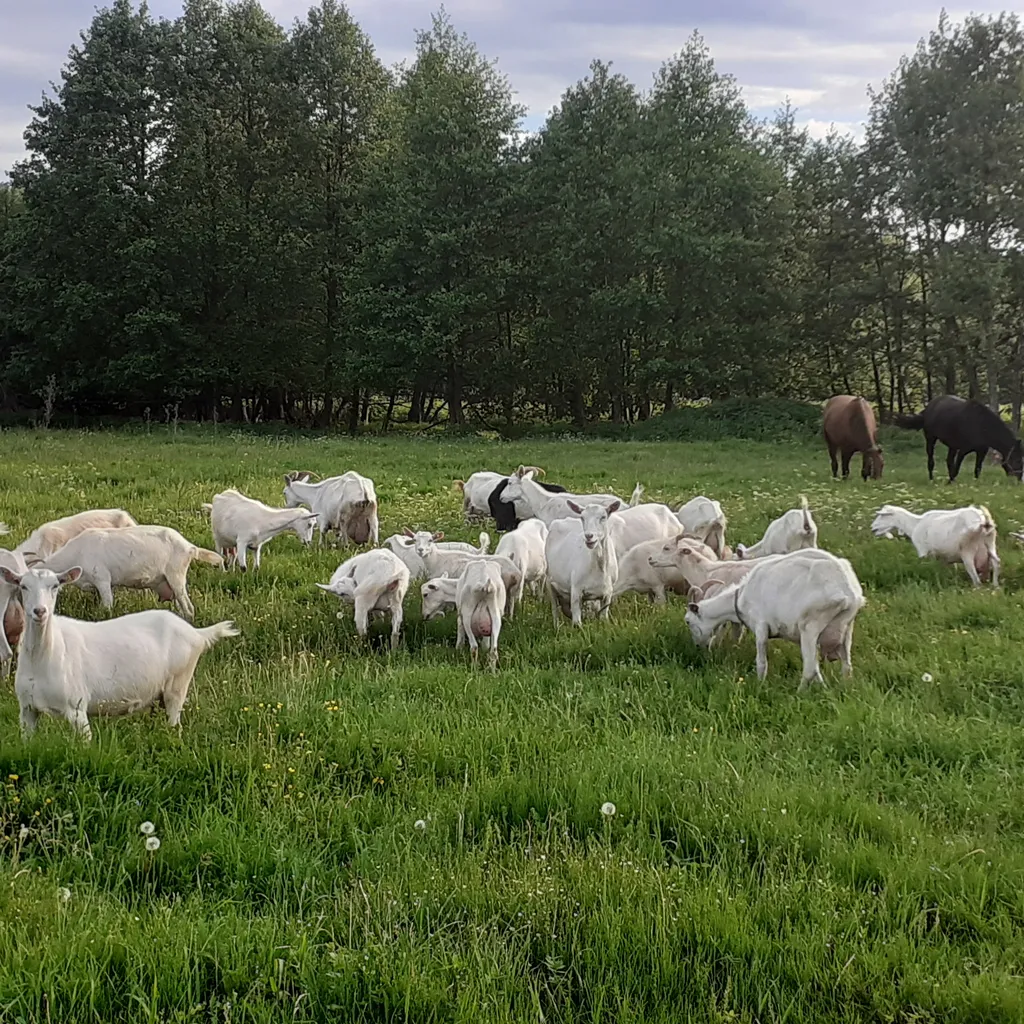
[{"x": 849, "y": 426}]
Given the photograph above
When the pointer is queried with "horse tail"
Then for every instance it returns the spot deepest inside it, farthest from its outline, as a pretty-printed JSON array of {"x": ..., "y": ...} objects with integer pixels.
[{"x": 915, "y": 421}]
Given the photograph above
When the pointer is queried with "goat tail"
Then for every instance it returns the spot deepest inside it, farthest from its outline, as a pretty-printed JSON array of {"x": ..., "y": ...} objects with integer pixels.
[
  {"x": 206, "y": 506},
  {"x": 218, "y": 631},
  {"x": 484, "y": 541},
  {"x": 912, "y": 421},
  {"x": 988, "y": 524},
  {"x": 209, "y": 557}
]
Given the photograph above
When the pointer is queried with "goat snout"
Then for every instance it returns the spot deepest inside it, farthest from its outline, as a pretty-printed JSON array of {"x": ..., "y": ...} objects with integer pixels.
[
  {"x": 589, "y": 539},
  {"x": 39, "y": 613}
]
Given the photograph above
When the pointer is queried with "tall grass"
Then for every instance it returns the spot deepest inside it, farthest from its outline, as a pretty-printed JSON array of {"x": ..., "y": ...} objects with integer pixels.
[{"x": 348, "y": 835}]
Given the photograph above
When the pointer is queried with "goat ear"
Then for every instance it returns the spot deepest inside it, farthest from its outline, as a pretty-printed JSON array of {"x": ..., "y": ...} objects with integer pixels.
[
  {"x": 407, "y": 532},
  {"x": 70, "y": 576},
  {"x": 288, "y": 478},
  {"x": 576, "y": 508},
  {"x": 694, "y": 607},
  {"x": 439, "y": 535},
  {"x": 327, "y": 587},
  {"x": 520, "y": 472},
  {"x": 614, "y": 506},
  {"x": 312, "y": 515},
  {"x": 9, "y": 576}
]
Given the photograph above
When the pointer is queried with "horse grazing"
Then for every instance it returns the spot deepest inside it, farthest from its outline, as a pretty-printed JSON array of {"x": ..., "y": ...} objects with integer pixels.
[
  {"x": 963, "y": 427},
  {"x": 849, "y": 426}
]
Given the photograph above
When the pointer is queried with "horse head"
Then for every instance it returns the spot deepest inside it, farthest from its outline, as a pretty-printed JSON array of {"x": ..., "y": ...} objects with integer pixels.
[
  {"x": 1013, "y": 461},
  {"x": 873, "y": 463}
]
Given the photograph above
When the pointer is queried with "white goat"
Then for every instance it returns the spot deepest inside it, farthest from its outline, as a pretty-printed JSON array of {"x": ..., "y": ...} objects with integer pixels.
[
  {"x": 546, "y": 506},
  {"x": 153, "y": 558},
  {"x": 477, "y": 490},
  {"x": 524, "y": 547},
  {"x": 810, "y": 599},
  {"x": 704, "y": 519},
  {"x": 75, "y": 669},
  {"x": 631, "y": 526},
  {"x": 582, "y": 564},
  {"x": 792, "y": 531},
  {"x": 374, "y": 582},
  {"x": 346, "y": 504},
  {"x": 45, "y": 539},
  {"x": 445, "y": 562},
  {"x": 642, "y": 573},
  {"x": 479, "y": 598},
  {"x": 966, "y": 535},
  {"x": 404, "y": 545},
  {"x": 12, "y": 616},
  {"x": 240, "y": 524}
]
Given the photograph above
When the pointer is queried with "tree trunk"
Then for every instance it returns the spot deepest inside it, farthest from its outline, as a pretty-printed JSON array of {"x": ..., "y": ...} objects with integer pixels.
[
  {"x": 385, "y": 426},
  {"x": 991, "y": 368},
  {"x": 883, "y": 414},
  {"x": 579, "y": 410},
  {"x": 415, "y": 405},
  {"x": 353, "y": 412},
  {"x": 454, "y": 393},
  {"x": 670, "y": 396}
]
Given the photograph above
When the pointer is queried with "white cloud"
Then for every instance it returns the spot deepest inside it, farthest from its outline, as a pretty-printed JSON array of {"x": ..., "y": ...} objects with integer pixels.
[{"x": 819, "y": 129}]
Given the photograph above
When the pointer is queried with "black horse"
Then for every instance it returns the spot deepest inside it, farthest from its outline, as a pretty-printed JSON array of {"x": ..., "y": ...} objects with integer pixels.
[
  {"x": 504, "y": 512},
  {"x": 964, "y": 427}
]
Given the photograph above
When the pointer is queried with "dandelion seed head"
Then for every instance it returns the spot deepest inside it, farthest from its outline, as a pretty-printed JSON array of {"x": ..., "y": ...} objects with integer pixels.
[
  {"x": 420, "y": 824},
  {"x": 152, "y": 844},
  {"x": 147, "y": 828},
  {"x": 608, "y": 809},
  {"x": 63, "y": 894},
  {"x": 926, "y": 678}
]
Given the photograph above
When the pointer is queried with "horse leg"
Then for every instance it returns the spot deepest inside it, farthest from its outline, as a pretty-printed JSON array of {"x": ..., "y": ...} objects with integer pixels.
[
  {"x": 960, "y": 456},
  {"x": 832, "y": 455},
  {"x": 930, "y": 443},
  {"x": 952, "y": 465},
  {"x": 847, "y": 455},
  {"x": 979, "y": 458}
]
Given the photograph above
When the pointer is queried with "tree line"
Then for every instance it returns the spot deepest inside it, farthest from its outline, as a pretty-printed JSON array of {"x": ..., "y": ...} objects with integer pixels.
[{"x": 233, "y": 220}]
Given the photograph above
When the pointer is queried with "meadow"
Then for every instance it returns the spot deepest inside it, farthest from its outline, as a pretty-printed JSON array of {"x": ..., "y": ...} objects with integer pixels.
[{"x": 348, "y": 835}]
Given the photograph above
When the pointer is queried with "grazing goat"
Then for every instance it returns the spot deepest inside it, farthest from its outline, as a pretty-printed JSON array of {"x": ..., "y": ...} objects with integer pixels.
[
  {"x": 346, "y": 504},
  {"x": 11, "y": 613},
  {"x": 240, "y": 524},
  {"x": 153, "y": 558},
  {"x": 581, "y": 559},
  {"x": 475, "y": 491},
  {"x": 810, "y": 599},
  {"x": 479, "y": 597},
  {"x": 374, "y": 582},
  {"x": 524, "y": 547},
  {"x": 966, "y": 535},
  {"x": 50, "y": 537},
  {"x": 792, "y": 531},
  {"x": 75, "y": 669},
  {"x": 441, "y": 562},
  {"x": 549, "y": 507},
  {"x": 704, "y": 519}
]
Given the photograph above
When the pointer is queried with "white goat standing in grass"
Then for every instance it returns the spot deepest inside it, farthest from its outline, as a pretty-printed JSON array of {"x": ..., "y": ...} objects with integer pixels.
[
  {"x": 374, "y": 582},
  {"x": 74, "y": 669},
  {"x": 44, "y": 540},
  {"x": 153, "y": 558},
  {"x": 240, "y": 524},
  {"x": 810, "y": 598},
  {"x": 792, "y": 531},
  {"x": 581, "y": 559},
  {"x": 966, "y": 535}
]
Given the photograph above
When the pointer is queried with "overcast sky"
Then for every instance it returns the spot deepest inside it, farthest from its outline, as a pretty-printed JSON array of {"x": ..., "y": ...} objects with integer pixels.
[{"x": 822, "y": 54}]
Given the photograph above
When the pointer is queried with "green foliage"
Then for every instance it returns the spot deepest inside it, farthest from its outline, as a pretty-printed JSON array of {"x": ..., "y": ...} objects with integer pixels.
[
  {"x": 854, "y": 854},
  {"x": 253, "y": 223},
  {"x": 764, "y": 419}
]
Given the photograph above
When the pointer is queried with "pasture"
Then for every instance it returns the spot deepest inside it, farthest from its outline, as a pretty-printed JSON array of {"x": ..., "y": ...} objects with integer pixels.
[{"x": 347, "y": 835}]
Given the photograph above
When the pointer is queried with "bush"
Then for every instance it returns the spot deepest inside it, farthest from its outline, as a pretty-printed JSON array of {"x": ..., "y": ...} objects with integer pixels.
[{"x": 758, "y": 419}]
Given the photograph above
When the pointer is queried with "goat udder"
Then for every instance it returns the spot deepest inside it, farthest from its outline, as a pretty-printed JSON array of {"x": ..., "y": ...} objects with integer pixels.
[
  {"x": 164, "y": 592},
  {"x": 14, "y": 623},
  {"x": 481, "y": 622},
  {"x": 359, "y": 530}
]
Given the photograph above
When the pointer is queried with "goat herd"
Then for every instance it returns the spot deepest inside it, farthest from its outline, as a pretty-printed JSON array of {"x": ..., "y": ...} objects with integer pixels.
[{"x": 586, "y": 549}]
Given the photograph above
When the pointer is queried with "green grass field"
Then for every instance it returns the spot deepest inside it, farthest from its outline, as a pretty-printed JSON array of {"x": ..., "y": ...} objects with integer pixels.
[{"x": 852, "y": 854}]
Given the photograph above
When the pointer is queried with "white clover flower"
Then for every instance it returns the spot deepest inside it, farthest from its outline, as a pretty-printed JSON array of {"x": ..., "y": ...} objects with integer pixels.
[
  {"x": 64, "y": 894},
  {"x": 608, "y": 809},
  {"x": 926, "y": 678},
  {"x": 420, "y": 824},
  {"x": 152, "y": 844},
  {"x": 147, "y": 828}
]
